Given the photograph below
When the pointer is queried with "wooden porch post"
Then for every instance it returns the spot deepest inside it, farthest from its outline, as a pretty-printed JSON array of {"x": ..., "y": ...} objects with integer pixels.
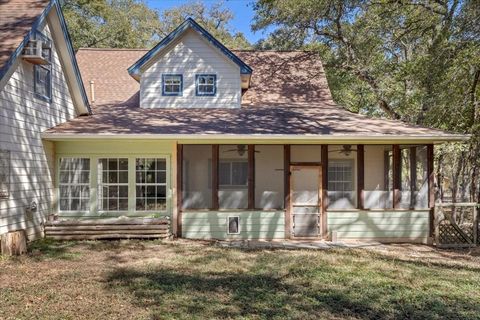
[
  {"x": 251, "y": 176},
  {"x": 179, "y": 180},
  {"x": 286, "y": 187},
  {"x": 324, "y": 157},
  {"x": 413, "y": 176},
  {"x": 215, "y": 156},
  {"x": 396, "y": 176},
  {"x": 361, "y": 176},
  {"x": 431, "y": 187}
]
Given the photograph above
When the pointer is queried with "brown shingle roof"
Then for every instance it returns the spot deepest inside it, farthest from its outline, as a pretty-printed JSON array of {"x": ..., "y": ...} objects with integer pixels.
[
  {"x": 16, "y": 20},
  {"x": 289, "y": 95}
]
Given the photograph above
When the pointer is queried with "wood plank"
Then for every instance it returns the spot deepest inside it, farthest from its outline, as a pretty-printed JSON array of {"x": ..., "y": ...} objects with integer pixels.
[
  {"x": 112, "y": 221},
  {"x": 251, "y": 176},
  {"x": 108, "y": 236},
  {"x": 108, "y": 227},
  {"x": 102, "y": 232},
  {"x": 324, "y": 218},
  {"x": 215, "y": 160},
  {"x": 177, "y": 223},
  {"x": 286, "y": 187},
  {"x": 431, "y": 187},
  {"x": 361, "y": 176},
  {"x": 396, "y": 175}
]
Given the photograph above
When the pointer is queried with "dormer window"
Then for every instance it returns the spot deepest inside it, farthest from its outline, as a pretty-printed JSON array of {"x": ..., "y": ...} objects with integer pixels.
[
  {"x": 205, "y": 84},
  {"x": 172, "y": 84}
]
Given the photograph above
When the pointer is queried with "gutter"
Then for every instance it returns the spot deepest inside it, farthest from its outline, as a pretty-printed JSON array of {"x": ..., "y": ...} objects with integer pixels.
[{"x": 376, "y": 139}]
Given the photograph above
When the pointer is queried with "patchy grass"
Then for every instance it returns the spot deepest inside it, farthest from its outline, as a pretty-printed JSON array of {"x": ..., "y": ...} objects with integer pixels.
[{"x": 184, "y": 280}]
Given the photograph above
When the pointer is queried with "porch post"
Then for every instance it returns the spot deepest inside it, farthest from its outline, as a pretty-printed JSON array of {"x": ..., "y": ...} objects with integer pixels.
[
  {"x": 251, "y": 176},
  {"x": 396, "y": 176},
  {"x": 215, "y": 157},
  {"x": 324, "y": 157},
  {"x": 413, "y": 176},
  {"x": 177, "y": 218},
  {"x": 286, "y": 187},
  {"x": 431, "y": 187},
  {"x": 361, "y": 176}
]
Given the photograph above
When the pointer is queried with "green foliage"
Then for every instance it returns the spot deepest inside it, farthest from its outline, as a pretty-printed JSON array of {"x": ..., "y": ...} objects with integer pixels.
[{"x": 132, "y": 24}]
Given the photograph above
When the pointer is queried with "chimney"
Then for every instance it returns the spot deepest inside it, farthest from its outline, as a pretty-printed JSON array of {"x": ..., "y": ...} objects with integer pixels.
[{"x": 92, "y": 91}]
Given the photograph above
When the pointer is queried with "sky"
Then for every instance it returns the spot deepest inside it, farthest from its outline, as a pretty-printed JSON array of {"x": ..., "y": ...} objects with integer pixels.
[{"x": 242, "y": 10}]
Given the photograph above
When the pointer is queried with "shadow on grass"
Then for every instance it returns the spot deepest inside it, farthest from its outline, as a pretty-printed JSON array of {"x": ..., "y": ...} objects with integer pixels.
[
  {"x": 52, "y": 249},
  {"x": 183, "y": 293}
]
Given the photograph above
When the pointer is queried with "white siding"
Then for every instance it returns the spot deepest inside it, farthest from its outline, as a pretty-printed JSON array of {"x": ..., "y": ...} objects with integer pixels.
[
  {"x": 22, "y": 119},
  {"x": 191, "y": 55}
]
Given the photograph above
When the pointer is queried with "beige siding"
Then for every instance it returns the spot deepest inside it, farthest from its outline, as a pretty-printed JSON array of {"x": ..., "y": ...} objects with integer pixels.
[
  {"x": 22, "y": 118},
  {"x": 191, "y": 55}
]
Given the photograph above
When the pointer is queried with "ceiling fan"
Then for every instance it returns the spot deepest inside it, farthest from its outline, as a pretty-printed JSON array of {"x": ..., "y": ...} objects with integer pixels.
[
  {"x": 241, "y": 149},
  {"x": 346, "y": 150}
]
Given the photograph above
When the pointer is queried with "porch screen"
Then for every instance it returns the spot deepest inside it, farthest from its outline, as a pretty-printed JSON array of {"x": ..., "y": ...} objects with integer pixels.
[
  {"x": 233, "y": 177},
  {"x": 342, "y": 177},
  {"x": 413, "y": 177},
  {"x": 269, "y": 177},
  {"x": 113, "y": 184},
  {"x": 197, "y": 184},
  {"x": 421, "y": 179},
  {"x": 151, "y": 184},
  {"x": 74, "y": 184},
  {"x": 378, "y": 193}
]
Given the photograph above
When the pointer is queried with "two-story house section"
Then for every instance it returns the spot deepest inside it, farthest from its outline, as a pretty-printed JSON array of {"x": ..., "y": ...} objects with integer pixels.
[{"x": 231, "y": 145}]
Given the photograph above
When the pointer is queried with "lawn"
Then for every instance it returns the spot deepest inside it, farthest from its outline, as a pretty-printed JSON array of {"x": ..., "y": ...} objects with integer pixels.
[{"x": 185, "y": 280}]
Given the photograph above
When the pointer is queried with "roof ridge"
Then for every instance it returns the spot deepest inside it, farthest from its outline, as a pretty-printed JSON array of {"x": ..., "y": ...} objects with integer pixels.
[
  {"x": 146, "y": 49},
  {"x": 112, "y": 49}
]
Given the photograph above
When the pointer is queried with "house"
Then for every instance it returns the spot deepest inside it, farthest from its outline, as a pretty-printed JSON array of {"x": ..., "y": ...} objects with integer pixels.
[{"x": 226, "y": 144}]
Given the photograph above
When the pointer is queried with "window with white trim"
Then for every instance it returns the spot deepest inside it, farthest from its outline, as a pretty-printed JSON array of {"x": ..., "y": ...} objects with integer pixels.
[
  {"x": 172, "y": 84},
  {"x": 42, "y": 73},
  {"x": 74, "y": 184},
  {"x": 113, "y": 184},
  {"x": 233, "y": 173},
  {"x": 205, "y": 84},
  {"x": 341, "y": 191},
  {"x": 151, "y": 184}
]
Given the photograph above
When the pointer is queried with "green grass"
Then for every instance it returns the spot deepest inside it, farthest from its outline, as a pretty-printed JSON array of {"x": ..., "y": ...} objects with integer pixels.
[{"x": 155, "y": 280}]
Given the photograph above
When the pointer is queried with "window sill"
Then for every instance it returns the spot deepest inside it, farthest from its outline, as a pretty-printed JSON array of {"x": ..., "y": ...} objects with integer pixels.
[{"x": 43, "y": 98}]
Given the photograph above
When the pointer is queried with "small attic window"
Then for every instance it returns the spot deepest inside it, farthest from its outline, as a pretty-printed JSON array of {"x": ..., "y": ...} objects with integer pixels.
[
  {"x": 172, "y": 84},
  {"x": 205, "y": 84}
]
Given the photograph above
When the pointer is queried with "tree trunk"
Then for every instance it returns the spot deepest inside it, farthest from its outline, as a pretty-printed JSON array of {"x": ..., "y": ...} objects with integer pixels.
[{"x": 14, "y": 243}]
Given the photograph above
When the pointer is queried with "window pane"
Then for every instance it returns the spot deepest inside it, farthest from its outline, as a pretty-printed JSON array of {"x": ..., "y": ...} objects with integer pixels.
[
  {"x": 342, "y": 177},
  {"x": 378, "y": 192},
  {"x": 151, "y": 184},
  {"x": 197, "y": 189},
  {"x": 269, "y": 175},
  {"x": 74, "y": 184},
  {"x": 233, "y": 194},
  {"x": 113, "y": 184}
]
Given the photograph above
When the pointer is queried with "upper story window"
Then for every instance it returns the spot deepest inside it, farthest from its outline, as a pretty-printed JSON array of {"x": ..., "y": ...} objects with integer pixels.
[
  {"x": 42, "y": 73},
  {"x": 172, "y": 84},
  {"x": 205, "y": 84}
]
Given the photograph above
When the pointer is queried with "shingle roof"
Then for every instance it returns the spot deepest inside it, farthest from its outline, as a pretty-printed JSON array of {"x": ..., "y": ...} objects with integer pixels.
[
  {"x": 289, "y": 95},
  {"x": 16, "y": 20}
]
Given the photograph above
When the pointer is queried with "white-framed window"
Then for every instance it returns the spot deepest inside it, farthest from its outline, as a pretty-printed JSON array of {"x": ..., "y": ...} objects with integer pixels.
[
  {"x": 4, "y": 174},
  {"x": 233, "y": 225},
  {"x": 233, "y": 173},
  {"x": 151, "y": 184},
  {"x": 172, "y": 84},
  {"x": 113, "y": 184},
  {"x": 205, "y": 84},
  {"x": 74, "y": 184},
  {"x": 42, "y": 73},
  {"x": 341, "y": 191}
]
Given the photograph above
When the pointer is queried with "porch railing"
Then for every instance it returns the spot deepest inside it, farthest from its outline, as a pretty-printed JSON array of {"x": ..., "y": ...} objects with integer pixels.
[{"x": 456, "y": 225}]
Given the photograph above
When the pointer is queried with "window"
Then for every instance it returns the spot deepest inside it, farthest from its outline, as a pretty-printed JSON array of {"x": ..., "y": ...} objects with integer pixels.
[
  {"x": 233, "y": 173},
  {"x": 172, "y": 84},
  {"x": 151, "y": 184},
  {"x": 113, "y": 184},
  {"x": 233, "y": 225},
  {"x": 4, "y": 174},
  {"x": 206, "y": 84},
  {"x": 42, "y": 73},
  {"x": 74, "y": 184},
  {"x": 340, "y": 184}
]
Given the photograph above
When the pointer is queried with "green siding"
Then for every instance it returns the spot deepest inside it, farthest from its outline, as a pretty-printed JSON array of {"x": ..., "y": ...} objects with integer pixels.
[
  {"x": 403, "y": 225},
  {"x": 253, "y": 225}
]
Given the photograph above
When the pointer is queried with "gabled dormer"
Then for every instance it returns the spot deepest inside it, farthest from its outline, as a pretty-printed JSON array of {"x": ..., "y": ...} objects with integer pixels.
[{"x": 189, "y": 68}]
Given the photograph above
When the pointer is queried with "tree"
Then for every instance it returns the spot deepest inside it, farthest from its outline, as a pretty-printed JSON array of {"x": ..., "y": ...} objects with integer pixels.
[{"x": 418, "y": 61}]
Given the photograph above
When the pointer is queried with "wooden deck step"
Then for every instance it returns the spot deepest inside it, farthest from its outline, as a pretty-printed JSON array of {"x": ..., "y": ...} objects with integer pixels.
[{"x": 116, "y": 228}]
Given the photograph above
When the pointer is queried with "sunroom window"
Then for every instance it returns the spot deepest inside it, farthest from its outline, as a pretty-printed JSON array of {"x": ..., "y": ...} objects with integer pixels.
[
  {"x": 206, "y": 84},
  {"x": 172, "y": 84},
  {"x": 113, "y": 184},
  {"x": 74, "y": 184},
  {"x": 151, "y": 184}
]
